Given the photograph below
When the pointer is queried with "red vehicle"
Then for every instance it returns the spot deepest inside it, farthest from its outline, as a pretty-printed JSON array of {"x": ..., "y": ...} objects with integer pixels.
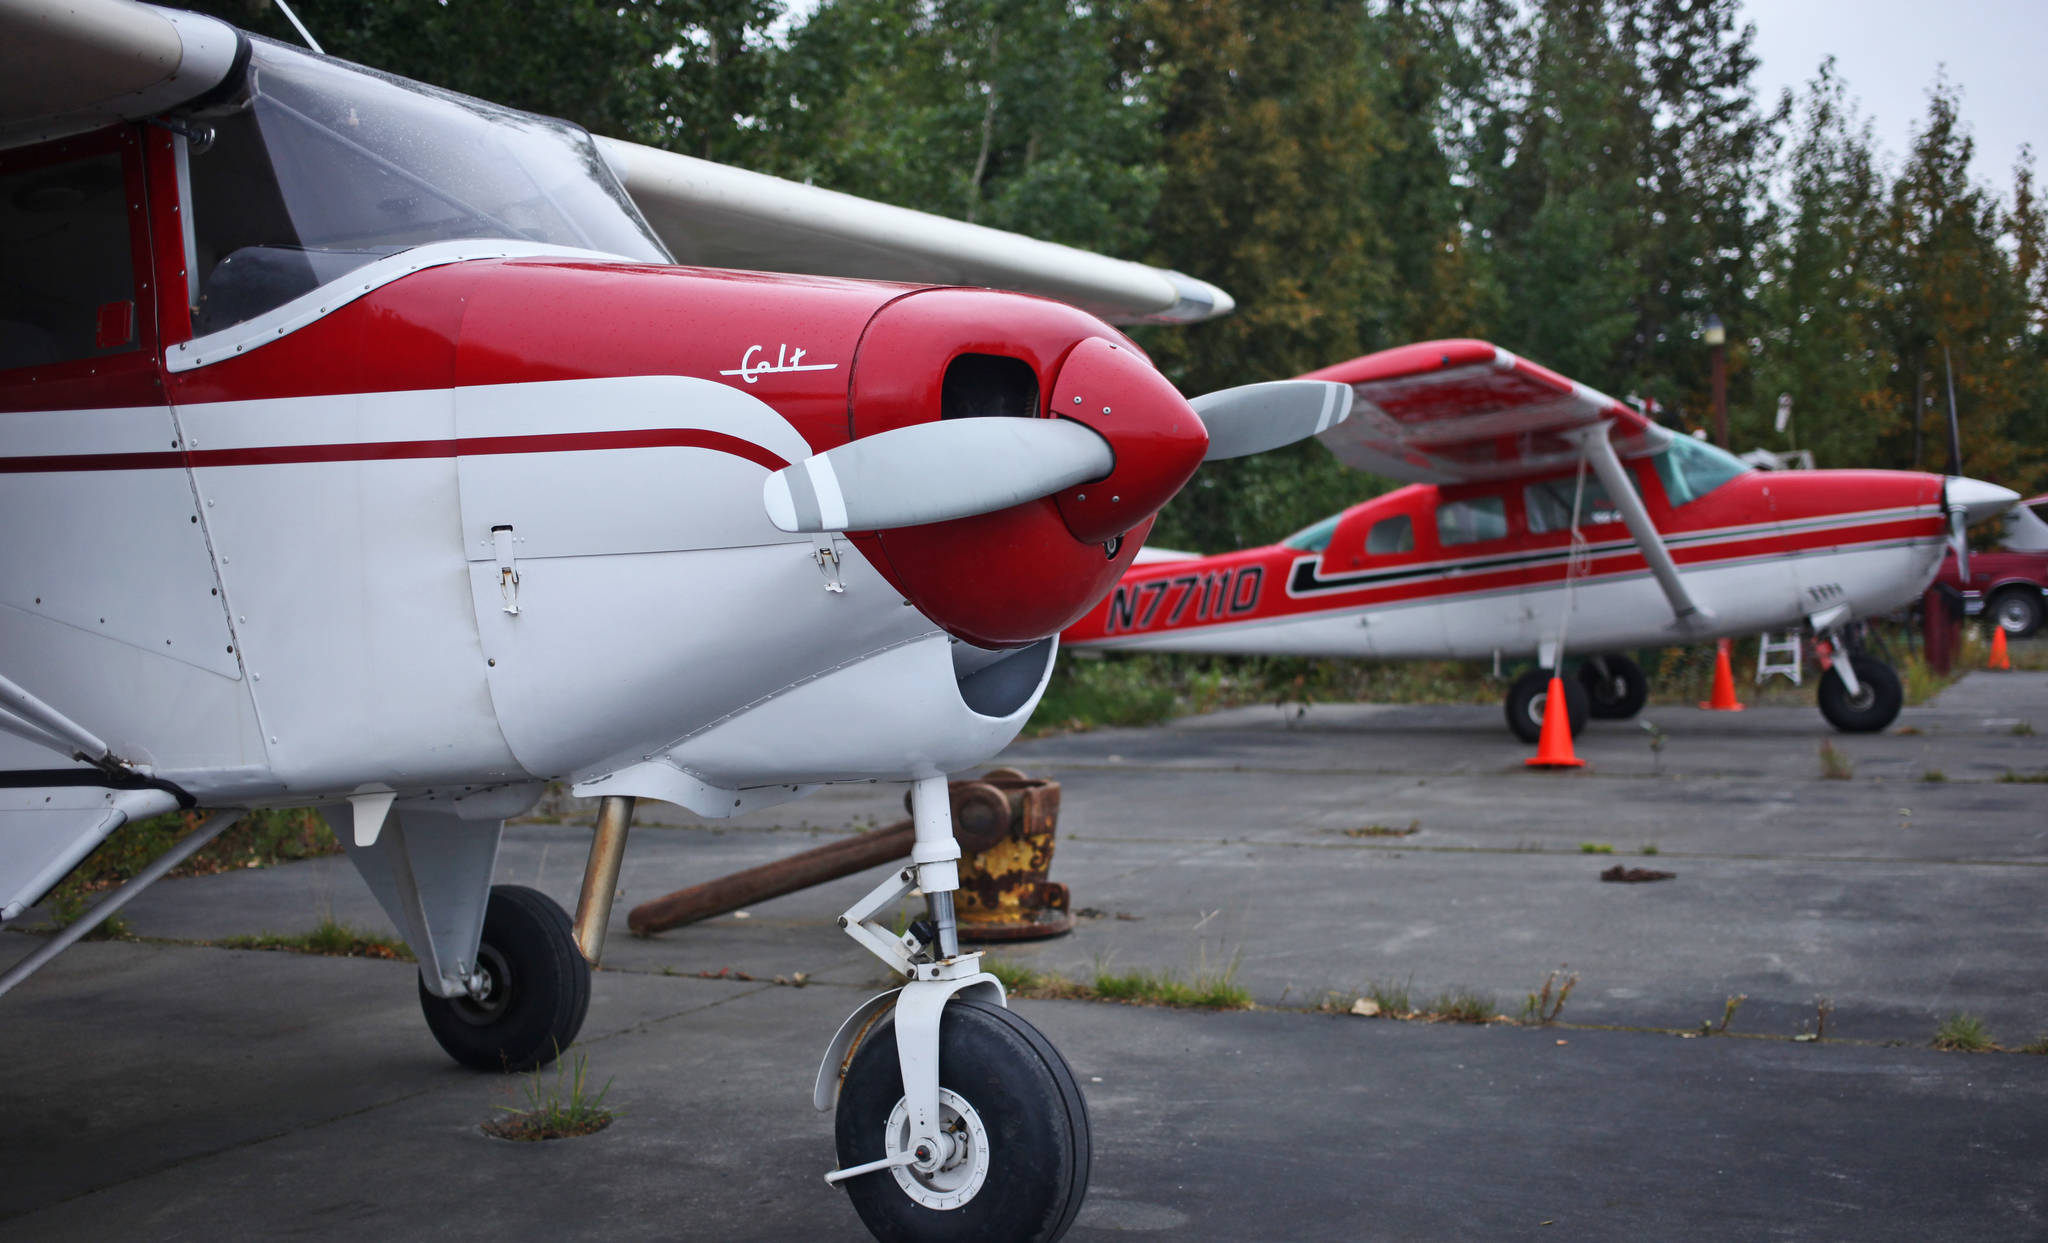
[{"x": 2009, "y": 586}]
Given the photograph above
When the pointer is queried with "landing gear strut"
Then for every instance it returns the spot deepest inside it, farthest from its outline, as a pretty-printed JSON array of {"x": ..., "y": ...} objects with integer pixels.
[
  {"x": 956, "y": 1119},
  {"x": 1859, "y": 694}
]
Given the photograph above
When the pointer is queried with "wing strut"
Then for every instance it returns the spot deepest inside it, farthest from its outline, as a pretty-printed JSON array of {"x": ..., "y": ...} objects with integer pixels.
[
  {"x": 1599, "y": 451},
  {"x": 24, "y": 715},
  {"x": 187, "y": 846}
]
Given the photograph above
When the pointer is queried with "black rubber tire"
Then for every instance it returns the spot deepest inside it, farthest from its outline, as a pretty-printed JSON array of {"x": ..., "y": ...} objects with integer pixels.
[
  {"x": 2016, "y": 610},
  {"x": 540, "y": 988},
  {"x": 1876, "y": 705},
  {"x": 1529, "y": 694},
  {"x": 1620, "y": 694},
  {"x": 1030, "y": 1104}
]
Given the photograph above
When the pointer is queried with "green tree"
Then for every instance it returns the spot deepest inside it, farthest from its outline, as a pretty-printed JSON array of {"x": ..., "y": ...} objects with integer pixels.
[
  {"x": 1957, "y": 311},
  {"x": 1270, "y": 135},
  {"x": 676, "y": 73},
  {"x": 1821, "y": 299},
  {"x": 1010, "y": 113}
]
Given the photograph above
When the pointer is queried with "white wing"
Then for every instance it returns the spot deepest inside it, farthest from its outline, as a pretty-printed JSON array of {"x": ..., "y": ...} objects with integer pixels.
[
  {"x": 714, "y": 215},
  {"x": 70, "y": 67}
]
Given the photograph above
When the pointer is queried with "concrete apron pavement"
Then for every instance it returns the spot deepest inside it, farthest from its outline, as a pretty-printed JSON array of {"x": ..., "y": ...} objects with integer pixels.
[{"x": 164, "y": 1091}]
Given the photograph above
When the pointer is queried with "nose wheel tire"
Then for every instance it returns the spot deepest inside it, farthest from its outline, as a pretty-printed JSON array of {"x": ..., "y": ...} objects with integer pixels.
[
  {"x": 1875, "y": 704},
  {"x": 535, "y": 988},
  {"x": 1615, "y": 687},
  {"x": 1528, "y": 696},
  {"x": 1018, "y": 1168}
]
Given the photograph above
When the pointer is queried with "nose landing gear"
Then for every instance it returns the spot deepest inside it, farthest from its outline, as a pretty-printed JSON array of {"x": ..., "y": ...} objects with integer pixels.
[{"x": 956, "y": 1119}]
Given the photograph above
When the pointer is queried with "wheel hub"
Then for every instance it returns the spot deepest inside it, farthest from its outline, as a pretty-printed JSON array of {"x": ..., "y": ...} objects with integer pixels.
[
  {"x": 490, "y": 989},
  {"x": 949, "y": 1174}
]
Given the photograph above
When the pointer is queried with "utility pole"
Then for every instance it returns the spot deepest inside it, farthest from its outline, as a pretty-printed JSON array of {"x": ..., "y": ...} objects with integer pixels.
[{"x": 1716, "y": 337}]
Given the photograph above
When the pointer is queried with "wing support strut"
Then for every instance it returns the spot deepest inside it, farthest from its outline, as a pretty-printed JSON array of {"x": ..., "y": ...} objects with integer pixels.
[
  {"x": 213, "y": 826},
  {"x": 23, "y": 714},
  {"x": 1599, "y": 451}
]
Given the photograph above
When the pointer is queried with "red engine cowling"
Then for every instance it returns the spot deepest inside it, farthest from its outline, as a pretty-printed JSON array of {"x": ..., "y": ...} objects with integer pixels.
[{"x": 1020, "y": 574}]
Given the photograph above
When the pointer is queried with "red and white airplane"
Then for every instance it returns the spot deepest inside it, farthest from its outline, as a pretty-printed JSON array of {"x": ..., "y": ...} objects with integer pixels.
[
  {"x": 362, "y": 447},
  {"x": 1547, "y": 518}
]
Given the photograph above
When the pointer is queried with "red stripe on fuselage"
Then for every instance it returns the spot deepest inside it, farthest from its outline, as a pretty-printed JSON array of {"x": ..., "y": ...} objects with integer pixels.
[
  {"x": 393, "y": 450},
  {"x": 1438, "y": 585}
]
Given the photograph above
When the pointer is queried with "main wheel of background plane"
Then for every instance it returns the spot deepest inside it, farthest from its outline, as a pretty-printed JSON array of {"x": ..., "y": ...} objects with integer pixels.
[
  {"x": 537, "y": 988},
  {"x": 1529, "y": 694},
  {"x": 2016, "y": 610},
  {"x": 1876, "y": 702},
  {"x": 1615, "y": 687},
  {"x": 1008, "y": 1095}
]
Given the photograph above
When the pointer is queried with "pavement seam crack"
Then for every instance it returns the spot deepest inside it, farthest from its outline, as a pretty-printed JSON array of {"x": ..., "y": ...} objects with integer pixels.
[{"x": 1574, "y": 853}]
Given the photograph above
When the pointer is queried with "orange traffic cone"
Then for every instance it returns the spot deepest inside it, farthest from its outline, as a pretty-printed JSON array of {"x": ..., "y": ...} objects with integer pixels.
[
  {"x": 1554, "y": 745},
  {"x": 1999, "y": 659},
  {"x": 1724, "y": 682}
]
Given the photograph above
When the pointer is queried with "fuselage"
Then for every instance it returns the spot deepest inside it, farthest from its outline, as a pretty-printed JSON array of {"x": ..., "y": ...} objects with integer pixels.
[
  {"x": 325, "y": 476},
  {"x": 1470, "y": 570}
]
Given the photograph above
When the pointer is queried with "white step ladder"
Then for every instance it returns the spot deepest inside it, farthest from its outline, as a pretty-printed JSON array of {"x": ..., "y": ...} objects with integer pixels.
[{"x": 1779, "y": 654}]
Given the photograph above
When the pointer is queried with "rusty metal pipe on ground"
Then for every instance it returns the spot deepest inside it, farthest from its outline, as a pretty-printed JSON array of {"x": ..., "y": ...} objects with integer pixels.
[{"x": 1004, "y": 822}]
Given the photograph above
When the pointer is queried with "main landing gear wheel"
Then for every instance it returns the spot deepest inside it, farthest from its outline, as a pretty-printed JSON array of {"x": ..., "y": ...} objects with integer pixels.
[
  {"x": 2017, "y": 611},
  {"x": 1876, "y": 702},
  {"x": 1528, "y": 696},
  {"x": 1020, "y": 1165},
  {"x": 1615, "y": 687},
  {"x": 536, "y": 988}
]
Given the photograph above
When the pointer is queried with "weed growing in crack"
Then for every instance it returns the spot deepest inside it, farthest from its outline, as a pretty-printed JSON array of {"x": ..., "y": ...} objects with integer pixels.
[{"x": 559, "y": 1110}]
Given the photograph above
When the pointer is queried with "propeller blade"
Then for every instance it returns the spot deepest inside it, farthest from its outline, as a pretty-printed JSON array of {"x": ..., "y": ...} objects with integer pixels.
[
  {"x": 1959, "y": 542},
  {"x": 1253, "y": 418},
  {"x": 931, "y": 472}
]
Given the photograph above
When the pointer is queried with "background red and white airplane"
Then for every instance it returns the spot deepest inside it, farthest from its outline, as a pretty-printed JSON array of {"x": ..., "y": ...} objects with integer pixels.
[
  {"x": 1549, "y": 519},
  {"x": 363, "y": 448}
]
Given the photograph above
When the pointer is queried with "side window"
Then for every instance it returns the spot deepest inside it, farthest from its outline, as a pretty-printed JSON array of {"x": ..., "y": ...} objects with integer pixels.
[
  {"x": 1471, "y": 520},
  {"x": 67, "y": 277},
  {"x": 1390, "y": 536},
  {"x": 1549, "y": 505}
]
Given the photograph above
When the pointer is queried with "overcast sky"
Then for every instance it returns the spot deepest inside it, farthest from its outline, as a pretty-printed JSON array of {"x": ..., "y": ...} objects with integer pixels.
[{"x": 1888, "y": 52}]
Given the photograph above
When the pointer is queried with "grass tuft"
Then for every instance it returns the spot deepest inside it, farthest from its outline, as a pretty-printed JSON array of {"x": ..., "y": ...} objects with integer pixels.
[
  {"x": 1385, "y": 830},
  {"x": 1462, "y": 1008},
  {"x": 2038, "y": 1045},
  {"x": 2011, "y": 777},
  {"x": 1934, "y": 775},
  {"x": 1164, "y": 988},
  {"x": 1546, "y": 1003},
  {"x": 1963, "y": 1033},
  {"x": 1595, "y": 848},
  {"x": 259, "y": 839},
  {"x": 329, "y": 937},
  {"x": 1202, "y": 991},
  {"x": 559, "y": 1110}
]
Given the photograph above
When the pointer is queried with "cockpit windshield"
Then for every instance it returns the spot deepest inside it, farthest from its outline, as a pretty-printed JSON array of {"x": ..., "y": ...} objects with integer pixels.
[
  {"x": 1691, "y": 468},
  {"x": 1313, "y": 538},
  {"x": 330, "y": 166}
]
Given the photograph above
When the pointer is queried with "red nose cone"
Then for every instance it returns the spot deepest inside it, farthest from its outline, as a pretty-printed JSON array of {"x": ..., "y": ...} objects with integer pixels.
[
  {"x": 1157, "y": 437},
  {"x": 1019, "y": 574}
]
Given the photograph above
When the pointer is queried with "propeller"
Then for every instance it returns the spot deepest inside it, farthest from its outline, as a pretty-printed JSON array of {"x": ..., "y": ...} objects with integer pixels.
[
  {"x": 1966, "y": 500},
  {"x": 956, "y": 468},
  {"x": 1253, "y": 418},
  {"x": 930, "y": 472}
]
